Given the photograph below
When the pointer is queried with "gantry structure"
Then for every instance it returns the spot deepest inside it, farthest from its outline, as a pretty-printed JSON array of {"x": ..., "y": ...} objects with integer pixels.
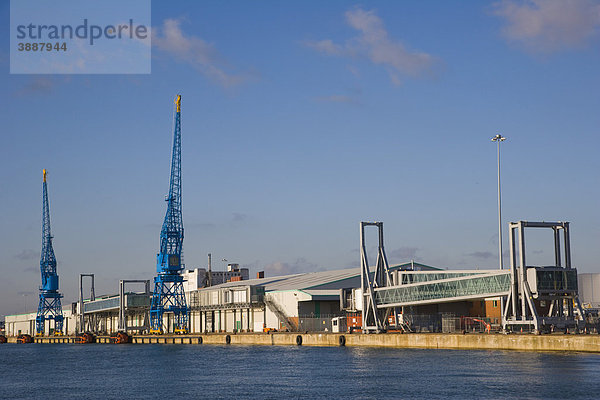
[
  {"x": 168, "y": 295},
  {"x": 49, "y": 307}
]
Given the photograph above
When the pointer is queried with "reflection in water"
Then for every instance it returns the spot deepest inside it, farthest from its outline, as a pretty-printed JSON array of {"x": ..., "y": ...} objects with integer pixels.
[{"x": 225, "y": 372}]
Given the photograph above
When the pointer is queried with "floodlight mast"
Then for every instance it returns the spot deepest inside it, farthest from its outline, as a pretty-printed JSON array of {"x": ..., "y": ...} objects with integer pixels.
[{"x": 499, "y": 138}]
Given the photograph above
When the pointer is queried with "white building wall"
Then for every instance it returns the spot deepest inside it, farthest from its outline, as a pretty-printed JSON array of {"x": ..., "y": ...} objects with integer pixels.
[
  {"x": 288, "y": 301},
  {"x": 271, "y": 320},
  {"x": 20, "y": 324},
  {"x": 258, "y": 320},
  {"x": 194, "y": 278},
  {"x": 230, "y": 323},
  {"x": 25, "y": 323},
  {"x": 195, "y": 325},
  {"x": 589, "y": 288}
]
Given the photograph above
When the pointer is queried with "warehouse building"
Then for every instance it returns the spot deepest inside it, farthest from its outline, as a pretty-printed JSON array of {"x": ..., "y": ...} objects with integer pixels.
[
  {"x": 305, "y": 301},
  {"x": 298, "y": 302},
  {"x": 431, "y": 300}
]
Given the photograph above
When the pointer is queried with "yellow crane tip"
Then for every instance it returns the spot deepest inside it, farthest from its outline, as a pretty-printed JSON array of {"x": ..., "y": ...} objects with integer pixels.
[
  {"x": 178, "y": 102},
  {"x": 44, "y": 172}
]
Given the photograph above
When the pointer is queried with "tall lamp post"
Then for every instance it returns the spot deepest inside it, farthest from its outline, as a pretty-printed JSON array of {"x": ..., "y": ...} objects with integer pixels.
[
  {"x": 224, "y": 269},
  {"x": 499, "y": 138}
]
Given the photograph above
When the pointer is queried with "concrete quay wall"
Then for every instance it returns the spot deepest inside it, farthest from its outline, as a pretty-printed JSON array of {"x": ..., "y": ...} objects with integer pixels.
[
  {"x": 526, "y": 342},
  {"x": 584, "y": 343}
]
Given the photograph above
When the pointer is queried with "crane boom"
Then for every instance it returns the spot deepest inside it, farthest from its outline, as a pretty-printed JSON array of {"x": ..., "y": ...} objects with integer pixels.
[
  {"x": 47, "y": 260},
  {"x": 171, "y": 235}
]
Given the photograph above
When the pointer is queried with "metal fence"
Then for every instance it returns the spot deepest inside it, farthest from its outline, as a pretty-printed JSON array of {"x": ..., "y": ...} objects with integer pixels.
[
  {"x": 311, "y": 323},
  {"x": 449, "y": 323},
  {"x": 427, "y": 323},
  {"x": 423, "y": 323}
]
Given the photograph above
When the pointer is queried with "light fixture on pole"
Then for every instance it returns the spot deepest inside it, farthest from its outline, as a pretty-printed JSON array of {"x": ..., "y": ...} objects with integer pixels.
[{"x": 499, "y": 138}]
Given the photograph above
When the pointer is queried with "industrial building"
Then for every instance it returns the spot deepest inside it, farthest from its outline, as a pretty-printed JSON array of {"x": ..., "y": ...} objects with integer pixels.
[
  {"x": 198, "y": 278},
  {"x": 373, "y": 298},
  {"x": 410, "y": 297},
  {"x": 429, "y": 299},
  {"x": 298, "y": 302},
  {"x": 280, "y": 303}
]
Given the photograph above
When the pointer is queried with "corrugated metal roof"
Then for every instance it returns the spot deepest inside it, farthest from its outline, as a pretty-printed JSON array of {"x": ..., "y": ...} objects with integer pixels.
[
  {"x": 329, "y": 294},
  {"x": 297, "y": 281},
  {"x": 311, "y": 280}
]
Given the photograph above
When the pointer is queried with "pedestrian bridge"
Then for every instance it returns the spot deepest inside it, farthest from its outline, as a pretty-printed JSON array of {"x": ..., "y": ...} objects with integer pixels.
[{"x": 425, "y": 287}]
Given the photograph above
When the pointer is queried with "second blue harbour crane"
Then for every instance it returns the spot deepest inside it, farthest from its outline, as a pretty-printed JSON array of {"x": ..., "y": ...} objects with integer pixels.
[
  {"x": 168, "y": 293},
  {"x": 49, "y": 307}
]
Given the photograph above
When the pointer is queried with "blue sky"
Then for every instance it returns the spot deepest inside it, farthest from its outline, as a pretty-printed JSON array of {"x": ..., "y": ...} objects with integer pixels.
[{"x": 299, "y": 120}]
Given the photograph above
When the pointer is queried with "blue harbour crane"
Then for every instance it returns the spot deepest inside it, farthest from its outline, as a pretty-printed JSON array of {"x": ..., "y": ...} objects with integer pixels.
[
  {"x": 168, "y": 293},
  {"x": 49, "y": 307}
]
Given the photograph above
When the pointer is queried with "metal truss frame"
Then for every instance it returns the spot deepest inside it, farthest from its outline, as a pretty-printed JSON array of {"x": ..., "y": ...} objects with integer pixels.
[
  {"x": 123, "y": 307},
  {"x": 520, "y": 308},
  {"x": 92, "y": 320},
  {"x": 374, "y": 318},
  {"x": 168, "y": 296},
  {"x": 49, "y": 308}
]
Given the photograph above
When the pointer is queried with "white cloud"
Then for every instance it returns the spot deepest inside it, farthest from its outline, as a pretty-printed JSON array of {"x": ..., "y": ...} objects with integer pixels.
[
  {"x": 382, "y": 49},
  {"x": 325, "y": 46},
  {"x": 545, "y": 26},
  {"x": 195, "y": 51},
  {"x": 374, "y": 43},
  {"x": 37, "y": 85}
]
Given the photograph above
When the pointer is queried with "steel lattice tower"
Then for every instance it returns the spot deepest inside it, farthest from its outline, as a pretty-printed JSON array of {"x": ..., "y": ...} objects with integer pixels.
[
  {"x": 50, "y": 305},
  {"x": 168, "y": 293}
]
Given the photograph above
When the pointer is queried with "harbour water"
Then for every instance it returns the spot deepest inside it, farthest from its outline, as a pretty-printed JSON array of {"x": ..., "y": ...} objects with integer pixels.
[{"x": 68, "y": 371}]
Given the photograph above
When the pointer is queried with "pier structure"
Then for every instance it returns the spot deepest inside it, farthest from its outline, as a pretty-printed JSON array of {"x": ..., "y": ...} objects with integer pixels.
[
  {"x": 542, "y": 297},
  {"x": 559, "y": 343},
  {"x": 89, "y": 324},
  {"x": 124, "y": 306},
  {"x": 374, "y": 318},
  {"x": 538, "y": 298},
  {"x": 408, "y": 298},
  {"x": 316, "y": 301}
]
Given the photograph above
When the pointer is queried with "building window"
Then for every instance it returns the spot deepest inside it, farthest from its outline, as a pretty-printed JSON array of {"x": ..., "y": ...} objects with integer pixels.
[
  {"x": 239, "y": 296},
  {"x": 495, "y": 303}
]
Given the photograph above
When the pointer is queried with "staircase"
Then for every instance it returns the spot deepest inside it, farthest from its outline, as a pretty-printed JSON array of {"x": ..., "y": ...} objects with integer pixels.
[{"x": 274, "y": 307}]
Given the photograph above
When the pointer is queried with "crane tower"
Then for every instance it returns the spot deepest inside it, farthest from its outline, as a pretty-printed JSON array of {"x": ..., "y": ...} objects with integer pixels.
[
  {"x": 168, "y": 293},
  {"x": 49, "y": 307}
]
